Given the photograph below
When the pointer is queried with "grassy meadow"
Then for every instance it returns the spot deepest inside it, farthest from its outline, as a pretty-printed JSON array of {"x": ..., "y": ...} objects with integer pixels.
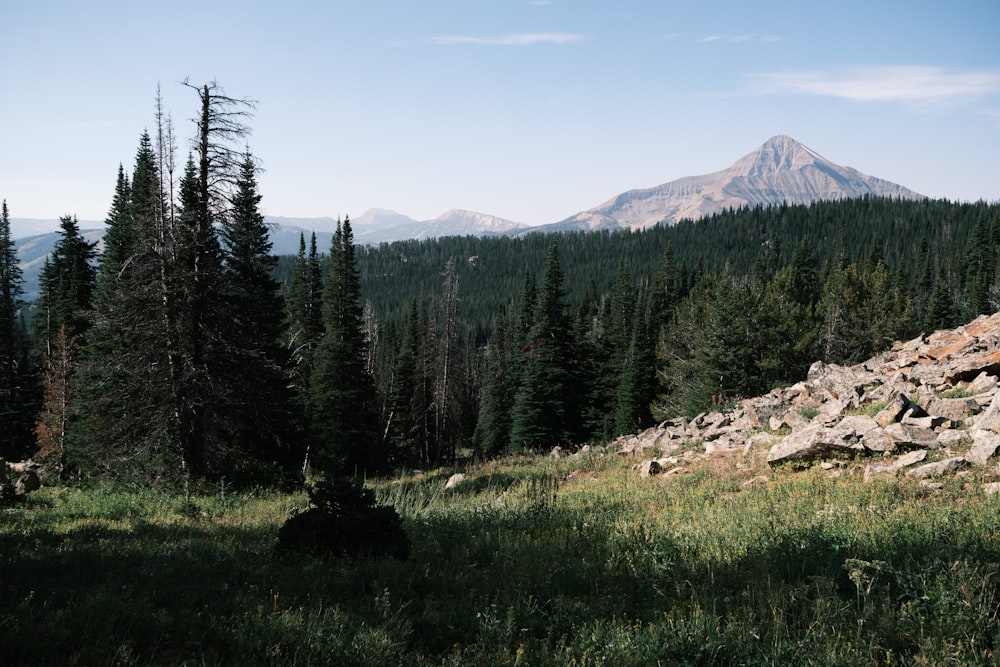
[{"x": 573, "y": 561}]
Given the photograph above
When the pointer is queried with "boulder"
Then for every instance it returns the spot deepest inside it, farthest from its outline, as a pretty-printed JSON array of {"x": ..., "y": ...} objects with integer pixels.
[
  {"x": 953, "y": 437},
  {"x": 890, "y": 468},
  {"x": 905, "y": 436},
  {"x": 26, "y": 482},
  {"x": 454, "y": 480},
  {"x": 984, "y": 446},
  {"x": 955, "y": 409},
  {"x": 813, "y": 442},
  {"x": 899, "y": 407},
  {"x": 938, "y": 468}
]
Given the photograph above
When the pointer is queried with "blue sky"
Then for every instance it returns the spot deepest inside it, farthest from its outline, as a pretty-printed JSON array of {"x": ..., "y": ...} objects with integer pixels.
[{"x": 528, "y": 109}]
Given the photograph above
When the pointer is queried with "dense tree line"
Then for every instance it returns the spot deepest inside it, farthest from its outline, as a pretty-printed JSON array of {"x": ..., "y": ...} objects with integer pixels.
[{"x": 187, "y": 352}]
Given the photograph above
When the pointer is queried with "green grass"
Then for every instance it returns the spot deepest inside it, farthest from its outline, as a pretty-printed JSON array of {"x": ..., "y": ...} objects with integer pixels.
[{"x": 528, "y": 562}]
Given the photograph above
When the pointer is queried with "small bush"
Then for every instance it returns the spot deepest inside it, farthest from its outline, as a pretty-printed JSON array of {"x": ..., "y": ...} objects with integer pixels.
[{"x": 344, "y": 520}]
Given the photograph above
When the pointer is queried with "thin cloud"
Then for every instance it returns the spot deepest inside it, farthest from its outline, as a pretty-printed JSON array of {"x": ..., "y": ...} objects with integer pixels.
[
  {"x": 522, "y": 39},
  {"x": 904, "y": 83},
  {"x": 739, "y": 39}
]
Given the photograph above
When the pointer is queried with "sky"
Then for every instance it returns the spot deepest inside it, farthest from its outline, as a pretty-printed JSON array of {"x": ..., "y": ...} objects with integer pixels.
[{"x": 531, "y": 110}]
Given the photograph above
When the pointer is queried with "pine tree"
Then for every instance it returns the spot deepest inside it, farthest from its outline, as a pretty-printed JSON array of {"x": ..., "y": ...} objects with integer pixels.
[
  {"x": 543, "y": 412},
  {"x": 120, "y": 232},
  {"x": 492, "y": 433},
  {"x": 343, "y": 395},
  {"x": 727, "y": 354},
  {"x": 979, "y": 269},
  {"x": 636, "y": 388},
  {"x": 161, "y": 394},
  {"x": 17, "y": 395},
  {"x": 940, "y": 306},
  {"x": 67, "y": 285},
  {"x": 253, "y": 354}
]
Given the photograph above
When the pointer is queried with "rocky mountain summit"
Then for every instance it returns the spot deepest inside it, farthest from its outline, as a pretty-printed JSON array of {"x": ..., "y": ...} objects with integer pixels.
[
  {"x": 926, "y": 409},
  {"x": 780, "y": 170}
]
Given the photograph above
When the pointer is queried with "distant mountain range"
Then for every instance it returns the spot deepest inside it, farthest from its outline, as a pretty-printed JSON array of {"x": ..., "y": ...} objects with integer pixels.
[{"x": 781, "y": 170}]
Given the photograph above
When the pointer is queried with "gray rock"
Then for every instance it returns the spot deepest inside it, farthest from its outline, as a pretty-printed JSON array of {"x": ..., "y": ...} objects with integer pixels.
[
  {"x": 454, "y": 480},
  {"x": 984, "y": 446},
  {"x": 955, "y": 409},
  {"x": 953, "y": 437},
  {"x": 26, "y": 482},
  {"x": 813, "y": 442},
  {"x": 911, "y": 437},
  {"x": 899, "y": 407},
  {"x": 938, "y": 468}
]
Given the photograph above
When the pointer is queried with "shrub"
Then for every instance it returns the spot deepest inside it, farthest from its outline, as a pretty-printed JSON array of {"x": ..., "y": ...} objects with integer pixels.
[{"x": 344, "y": 520}]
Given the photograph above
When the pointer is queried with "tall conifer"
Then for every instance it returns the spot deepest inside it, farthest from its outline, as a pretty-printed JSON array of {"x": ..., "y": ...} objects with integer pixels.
[
  {"x": 343, "y": 394},
  {"x": 17, "y": 398}
]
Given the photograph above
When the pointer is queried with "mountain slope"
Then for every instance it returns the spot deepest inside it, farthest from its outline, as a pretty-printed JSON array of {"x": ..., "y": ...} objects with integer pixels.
[{"x": 781, "y": 170}]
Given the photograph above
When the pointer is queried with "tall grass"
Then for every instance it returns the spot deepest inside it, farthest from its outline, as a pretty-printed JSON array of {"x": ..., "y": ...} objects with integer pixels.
[{"x": 528, "y": 561}]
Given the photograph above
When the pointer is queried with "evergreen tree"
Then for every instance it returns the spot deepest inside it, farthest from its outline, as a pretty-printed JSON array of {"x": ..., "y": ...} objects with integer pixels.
[
  {"x": 120, "y": 232},
  {"x": 492, "y": 432},
  {"x": 67, "y": 284},
  {"x": 636, "y": 388},
  {"x": 404, "y": 406},
  {"x": 343, "y": 394},
  {"x": 254, "y": 355},
  {"x": 160, "y": 394},
  {"x": 303, "y": 322},
  {"x": 979, "y": 270},
  {"x": 728, "y": 352},
  {"x": 17, "y": 396},
  {"x": 543, "y": 414},
  {"x": 940, "y": 306}
]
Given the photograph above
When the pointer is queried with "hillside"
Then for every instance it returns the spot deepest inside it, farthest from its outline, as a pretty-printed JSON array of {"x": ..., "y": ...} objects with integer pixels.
[
  {"x": 928, "y": 409},
  {"x": 709, "y": 554}
]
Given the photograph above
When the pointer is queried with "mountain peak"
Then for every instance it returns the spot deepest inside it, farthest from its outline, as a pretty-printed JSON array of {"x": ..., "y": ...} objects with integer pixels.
[
  {"x": 779, "y": 153},
  {"x": 781, "y": 170}
]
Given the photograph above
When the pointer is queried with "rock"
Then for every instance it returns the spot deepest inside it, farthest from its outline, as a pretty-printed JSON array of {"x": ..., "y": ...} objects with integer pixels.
[
  {"x": 984, "y": 382},
  {"x": 758, "y": 441},
  {"x": 845, "y": 385},
  {"x": 867, "y": 431},
  {"x": 984, "y": 446},
  {"x": 454, "y": 480},
  {"x": 938, "y": 468},
  {"x": 911, "y": 437},
  {"x": 811, "y": 443},
  {"x": 967, "y": 368},
  {"x": 898, "y": 408},
  {"x": 892, "y": 467},
  {"x": 927, "y": 423},
  {"x": 953, "y": 437},
  {"x": 26, "y": 482},
  {"x": 648, "y": 468},
  {"x": 955, "y": 409},
  {"x": 992, "y": 488},
  {"x": 556, "y": 452}
]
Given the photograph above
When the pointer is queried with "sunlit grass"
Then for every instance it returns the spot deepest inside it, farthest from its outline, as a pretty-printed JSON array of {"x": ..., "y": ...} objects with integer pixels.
[{"x": 527, "y": 561}]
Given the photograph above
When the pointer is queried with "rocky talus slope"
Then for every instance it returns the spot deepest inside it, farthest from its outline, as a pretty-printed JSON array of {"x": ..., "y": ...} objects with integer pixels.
[{"x": 926, "y": 409}]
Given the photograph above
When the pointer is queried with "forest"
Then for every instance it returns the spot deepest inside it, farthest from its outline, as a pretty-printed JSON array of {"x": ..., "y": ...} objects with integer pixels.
[{"x": 187, "y": 353}]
